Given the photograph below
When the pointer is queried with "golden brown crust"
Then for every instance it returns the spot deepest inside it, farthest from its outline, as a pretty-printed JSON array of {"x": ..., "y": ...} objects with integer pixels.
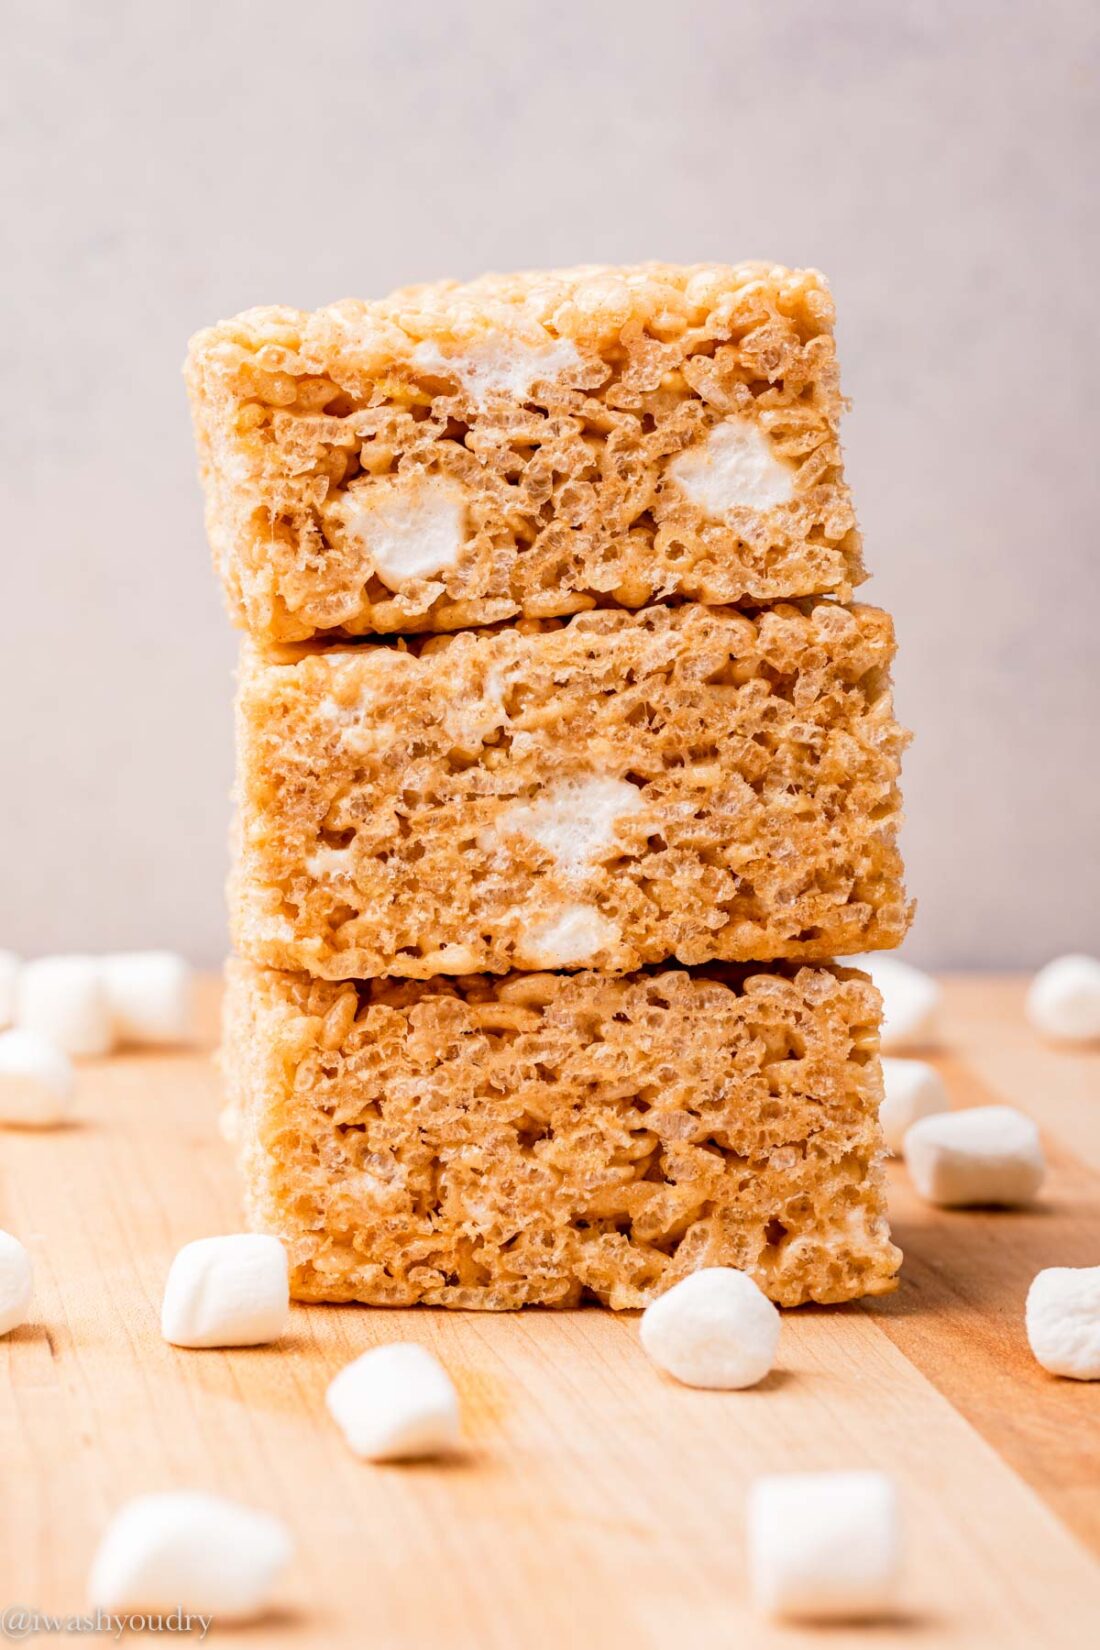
[
  {"x": 401, "y": 812},
  {"x": 491, "y": 1143},
  {"x": 570, "y": 502}
]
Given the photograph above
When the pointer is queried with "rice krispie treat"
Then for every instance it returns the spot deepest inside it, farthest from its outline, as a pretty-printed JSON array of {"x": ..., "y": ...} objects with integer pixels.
[
  {"x": 489, "y": 1142},
  {"x": 682, "y": 782},
  {"x": 537, "y": 444}
]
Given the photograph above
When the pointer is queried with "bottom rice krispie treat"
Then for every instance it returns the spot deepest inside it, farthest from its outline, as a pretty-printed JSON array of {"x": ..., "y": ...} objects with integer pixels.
[{"x": 545, "y": 1138}]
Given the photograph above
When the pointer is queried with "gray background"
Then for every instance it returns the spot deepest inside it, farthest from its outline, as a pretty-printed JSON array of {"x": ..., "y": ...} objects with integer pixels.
[{"x": 172, "y": 164}]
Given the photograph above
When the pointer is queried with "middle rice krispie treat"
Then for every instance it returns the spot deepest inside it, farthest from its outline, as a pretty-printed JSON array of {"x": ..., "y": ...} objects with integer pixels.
[
  {"x": 491, "y": 1143},
  {"x": 683, "y": 782},
  {"x": 525, "y": 445}
]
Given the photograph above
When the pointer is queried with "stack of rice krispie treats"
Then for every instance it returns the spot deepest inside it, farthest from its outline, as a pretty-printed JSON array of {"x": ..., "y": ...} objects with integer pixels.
[{"x": 566, "y": 765}]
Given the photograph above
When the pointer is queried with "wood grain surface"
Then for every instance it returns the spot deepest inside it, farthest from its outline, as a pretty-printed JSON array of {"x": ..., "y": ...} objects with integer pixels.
[{"x": 599, "y": 1503}]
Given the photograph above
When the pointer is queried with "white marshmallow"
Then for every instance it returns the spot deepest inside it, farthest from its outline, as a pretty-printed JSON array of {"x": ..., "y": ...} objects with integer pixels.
[
  {"x": 227, "y": 1291},
  {"x": 499, "y": 365},
  {"x": 910, "y": 1002},
  {"x": 824, "y": 1546},
  {"x": 151, "y": 997},
  {"x": 573, "y": 936},
  {"x": 184, "y": 1549},
  {"x": 914, "y": 1089},
  {"x": 715, "y": 1328},
  {"x": 576, "y": 819},
  {"x": 735, "y": 466},
  {"x": 986, "y": 1155},
  {"x": 16, "y": 1288},
  {"x": 330, "y": 864},
  {"x": 410, "y": 526},
  {"x": 36, "y": 1081},
  {"x": 9, "y": 978},
  {"x": 1063, "y": 1321},
  {"x": 1063, "y": 1001},
  {"x": 395, "y": 1403},
  {"x": 64, "y": 999}
]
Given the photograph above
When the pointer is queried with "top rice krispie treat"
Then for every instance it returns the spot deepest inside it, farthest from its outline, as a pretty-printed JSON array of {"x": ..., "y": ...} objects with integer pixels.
[{"x": 534, "y": 445}]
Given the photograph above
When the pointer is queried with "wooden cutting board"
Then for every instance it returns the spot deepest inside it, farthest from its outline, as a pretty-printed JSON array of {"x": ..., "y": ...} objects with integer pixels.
[{"x": 600, "y": 1504}]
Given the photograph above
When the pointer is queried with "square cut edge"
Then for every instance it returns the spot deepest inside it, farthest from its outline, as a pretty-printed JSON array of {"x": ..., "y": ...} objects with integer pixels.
[
  {"x": 525, "y": 445},
  {"x": 491, "y": 1143},
  {"x": 624, "y": 788}
]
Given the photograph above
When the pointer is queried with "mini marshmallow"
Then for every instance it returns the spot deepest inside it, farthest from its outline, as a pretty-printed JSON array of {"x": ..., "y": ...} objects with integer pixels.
[
  {"x": 734, "y": 467},
  {"x": 914, "y": 1089},
  {"x": 500, "y": 365},
  {"x": 411, "y": 525},
  {"x": 64, "y": 999},
  {"x": 226, "y": 1291},
  {"x": 150, "y": 996},
  {"x": 395, "y": 1403},
  {"x": 824, "y": 1546},
  {"x": 36, "y": 1081},
  {"x": 15, "y": 1283},
  {"x": 986, "y": 1155},
  {"x": 9, "y": 979},
  {"x": 1063, "y": 1002},
  {"x": 910, "y": 1002},
  {"x": 715, "y": 1328},
  {"x": 574, "y": 935},
  {"x": 187, "y": 1550},
  {"x": 1063, "y": 1321},
  {"x": 575, "y": 820}
]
